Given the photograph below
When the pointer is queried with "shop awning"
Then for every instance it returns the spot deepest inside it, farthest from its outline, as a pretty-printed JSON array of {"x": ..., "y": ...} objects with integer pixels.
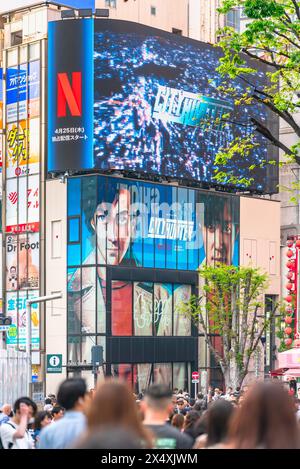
[
  {"x": 289, "y": 359},
  {"x": 278, "y": 372},
  {"x": 293, "y": 372}
]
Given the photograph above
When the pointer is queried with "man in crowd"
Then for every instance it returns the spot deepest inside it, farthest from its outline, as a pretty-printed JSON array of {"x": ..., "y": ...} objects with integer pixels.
[
  {"x": 57, "y": 413},
  {"x": 5, "y": 414},
  {"x": 14, "y": 433},
  {"x": 157, "y": 407},
  {"x": 71, "y": 396}
]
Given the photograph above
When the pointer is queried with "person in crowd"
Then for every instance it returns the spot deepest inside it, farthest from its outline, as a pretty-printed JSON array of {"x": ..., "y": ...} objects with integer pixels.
[
  {"x": 237, "y": 392},
  {"x": 114, "y": 406},
  {"x": 42, "y": 419},
  {"x": 181, "y": 407},
  {"x": 57, "y": 413},
  {"x": 72, "y": 396},
  {"x": 157, "y": 407},
  {"x": 217, "y": 394},
  {"x": 266, "y": 420},
  {"x": 14, "y": 433},
  {"x": 177, "y": 421},
  {"x": 48, "y": 405},
  {"x": 217, "y": 423},
  {"x": 190, "y": 421},
  {"x": 111, "y": 437},
  {"x": 6, "y": 413},
  {"x": 228, "y": 394}
]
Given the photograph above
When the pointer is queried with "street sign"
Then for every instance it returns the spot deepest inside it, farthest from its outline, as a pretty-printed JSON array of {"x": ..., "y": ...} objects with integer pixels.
[
  {"x": 195, "y": 376},
  {"x": 54, "y": 363},
  {"x": 34, "y": 378},
  {"x": 195, "y": 381}
]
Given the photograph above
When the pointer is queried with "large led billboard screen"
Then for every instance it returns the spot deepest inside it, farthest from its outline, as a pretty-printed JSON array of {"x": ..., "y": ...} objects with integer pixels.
[{"x": 145, "y": 101}]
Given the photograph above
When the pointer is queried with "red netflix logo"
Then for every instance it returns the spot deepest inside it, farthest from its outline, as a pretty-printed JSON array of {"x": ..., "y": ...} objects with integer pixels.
[{"x": 69, "y": 94}]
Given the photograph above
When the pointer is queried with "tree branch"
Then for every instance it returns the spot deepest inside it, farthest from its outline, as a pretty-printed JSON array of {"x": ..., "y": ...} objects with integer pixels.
[
  {"x": 217, "y": 356},
  {"x": 269, "y": 136},
  {"x": 266, "y": 62},
  {"x": 297, "y": 9}
]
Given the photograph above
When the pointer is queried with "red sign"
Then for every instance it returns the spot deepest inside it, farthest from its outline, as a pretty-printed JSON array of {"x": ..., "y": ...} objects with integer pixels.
[
  {"x": 195, "y": 375},
  {"x": 69, "y": 94}
]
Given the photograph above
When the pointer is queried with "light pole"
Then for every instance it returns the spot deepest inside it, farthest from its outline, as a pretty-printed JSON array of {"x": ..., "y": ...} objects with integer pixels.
[{"x": 39, "y": 299}]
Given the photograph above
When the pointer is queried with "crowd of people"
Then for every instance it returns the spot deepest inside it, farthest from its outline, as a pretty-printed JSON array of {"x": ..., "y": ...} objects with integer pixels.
[{"x": 262, "y": 416}]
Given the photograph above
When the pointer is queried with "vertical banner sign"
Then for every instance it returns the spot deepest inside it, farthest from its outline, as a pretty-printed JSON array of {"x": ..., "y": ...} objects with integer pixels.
[
  {"x": 71, "y": 94},
  {"x": 1, "y": 105}
]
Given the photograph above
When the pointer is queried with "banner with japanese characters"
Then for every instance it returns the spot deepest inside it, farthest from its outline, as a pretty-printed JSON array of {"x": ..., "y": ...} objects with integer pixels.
[
  {"x": 22, "y": 148},
  {"x": 16, "y": 309},
  {"x": 22, "y": 204}
]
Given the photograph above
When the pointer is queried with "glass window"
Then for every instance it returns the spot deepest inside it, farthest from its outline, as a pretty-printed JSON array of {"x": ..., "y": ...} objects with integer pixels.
[
  {"x": 74, "y": 356},
  {"x": 12, "y": 57},
  {"x": 121, "y": 308},
  {"x": 202, "y": 353},
  {"x": 89, "y": 204},
  {"x": 23, "y": 54},
  {"x": 74, "y": 195},
  {"x": 74, "y": 300},
  {"x": 34, "y": 51},
  {"x": 182, "y": 324},
  {"x": 181, "y": 373},
  {"x": 142, "y": 377},
  {"x": 143, "y": 308},
  {"x": 74, "y": 230},
  {"x": 153, "y": 11},
  {"x": 101, "y": 299},
  {"x": 162, "y": 373},
  {"x": 88, "y": 300},
  {"x": 163, "y": 306}
]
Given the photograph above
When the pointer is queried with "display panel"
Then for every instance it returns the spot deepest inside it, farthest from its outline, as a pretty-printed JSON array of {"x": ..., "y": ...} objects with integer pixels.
[
  {"x": 16, "y": 308},
  {"x": 22, "y": 204},
  {"x": 22, "y": 261},
  {"x": 135, "y": 223},
  {"x": 155, "y": 102}
]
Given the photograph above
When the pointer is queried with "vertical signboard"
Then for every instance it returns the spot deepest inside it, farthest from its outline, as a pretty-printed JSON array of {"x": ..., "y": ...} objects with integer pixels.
[{"x": 70, "y": 93}]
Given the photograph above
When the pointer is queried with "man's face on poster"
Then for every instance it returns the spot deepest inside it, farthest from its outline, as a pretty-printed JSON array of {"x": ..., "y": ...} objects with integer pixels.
[
  {"x": 218, "y": 238},
  {"x": 113, "y": 226}
]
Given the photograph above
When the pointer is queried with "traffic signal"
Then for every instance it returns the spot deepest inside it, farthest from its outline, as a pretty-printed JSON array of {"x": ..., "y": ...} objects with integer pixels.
[{"x": 5, "y": 320}]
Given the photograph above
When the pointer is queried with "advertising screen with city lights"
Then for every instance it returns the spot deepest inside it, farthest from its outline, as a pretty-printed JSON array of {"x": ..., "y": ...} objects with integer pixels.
[{"x": 146, "y": 102}]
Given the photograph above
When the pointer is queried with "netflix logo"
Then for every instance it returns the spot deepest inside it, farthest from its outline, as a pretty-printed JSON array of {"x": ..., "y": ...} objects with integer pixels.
[{"x": 69, "y": 94}]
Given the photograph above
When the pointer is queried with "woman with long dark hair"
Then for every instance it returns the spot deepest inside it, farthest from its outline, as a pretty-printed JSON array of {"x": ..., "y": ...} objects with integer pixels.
[
  {"x": 266, "y": 420},
  {"x": 113, "y": 405}
]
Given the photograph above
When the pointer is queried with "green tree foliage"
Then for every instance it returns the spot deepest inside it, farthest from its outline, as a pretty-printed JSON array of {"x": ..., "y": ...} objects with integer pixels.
[
  {"x": 232, "y": 306},
  {"x": 271, "y": 37}
]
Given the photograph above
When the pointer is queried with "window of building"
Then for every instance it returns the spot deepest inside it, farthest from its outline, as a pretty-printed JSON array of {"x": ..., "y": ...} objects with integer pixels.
[
  {"x": 16, "y": 38},
  {"x": 111, "y": 3},
  {"x": 177, "y": 31},
  {"x": 232, "y": 19},
  {"x": 153, "y": 11}
]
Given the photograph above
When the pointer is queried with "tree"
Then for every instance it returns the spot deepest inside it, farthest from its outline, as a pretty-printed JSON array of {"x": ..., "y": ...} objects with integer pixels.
[
  {"x": 231, "y": 306},
  {"x": 271, "y": 38}
]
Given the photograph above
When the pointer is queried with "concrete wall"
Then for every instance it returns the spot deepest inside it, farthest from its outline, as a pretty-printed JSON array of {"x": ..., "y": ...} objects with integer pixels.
[
  {"x": 260, "y": 238},
  {"x": 56, "y": 276},
  {"x": 197, "y": 19}
]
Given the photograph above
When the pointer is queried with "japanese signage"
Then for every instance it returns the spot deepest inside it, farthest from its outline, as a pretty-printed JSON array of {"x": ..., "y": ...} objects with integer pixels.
[
  {"x": 22, "y": 193},
  {"x": 22, "y": 261},
  {"x": 16, "y": 308},
  {"x": 54, "y": 363}
]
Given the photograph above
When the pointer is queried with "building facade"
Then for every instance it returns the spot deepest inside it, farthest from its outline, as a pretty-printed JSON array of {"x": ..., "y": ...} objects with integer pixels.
[{"x": 121, "y": 237}]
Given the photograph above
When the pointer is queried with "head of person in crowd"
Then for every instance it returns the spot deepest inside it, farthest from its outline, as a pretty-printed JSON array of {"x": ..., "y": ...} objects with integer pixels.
[
  {"x": 72, "y": 394},
  {"x": 229, "y": 390},
  {"x": 181, "y": 405},
  {"x": 114, "y": 405},
  {"x": 6, "y": 409},
  {"x": 190, "y": 422},
  {"x": 42, "y": 419},
  {"x": 219, "y": 415},
  {"x": 200, "y": 396},
  {"x": 48, "y": 405},
  {"x": 265, "y": 420},
  {"x": 178, "y": 421},
  {"x": 57, "y": 413},
  {"x": 158, "y": 403},
  {"x": 24, "y": 402},
  {"x": 111, "y": 437}
]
